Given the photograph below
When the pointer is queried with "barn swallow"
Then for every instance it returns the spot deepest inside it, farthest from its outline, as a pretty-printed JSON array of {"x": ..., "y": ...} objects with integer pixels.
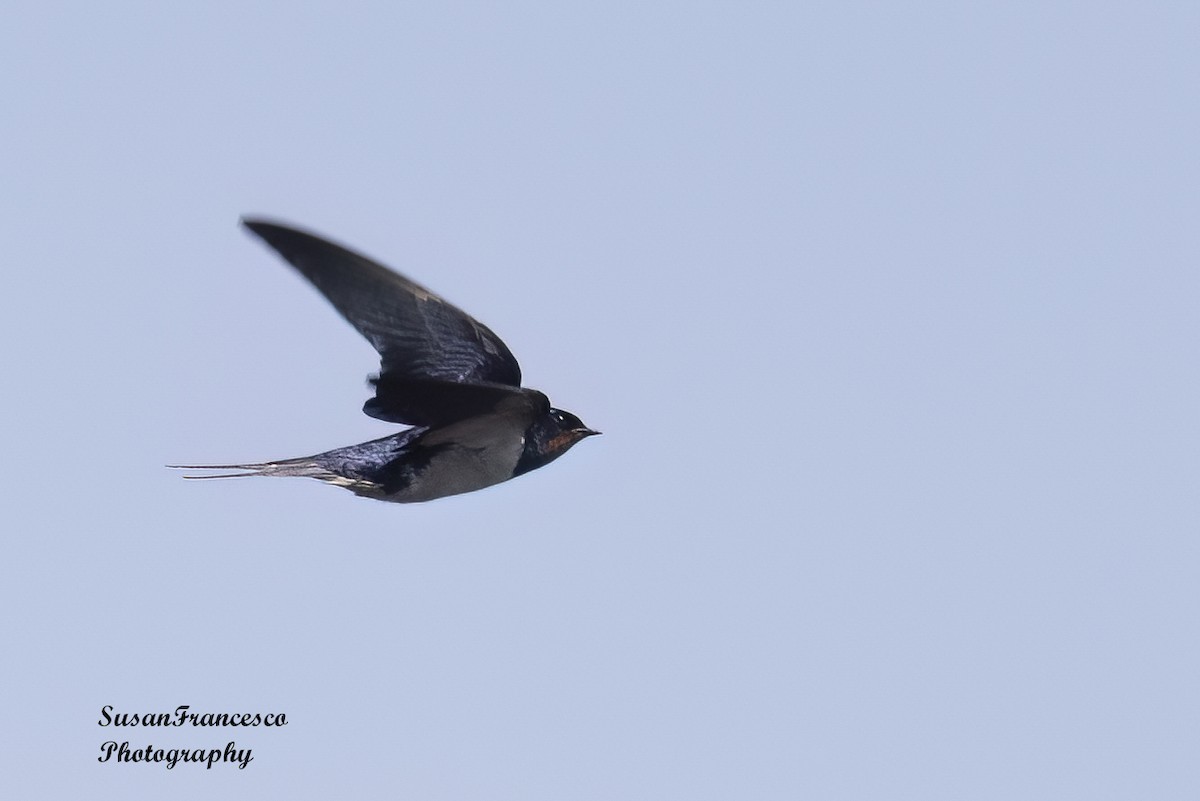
[{"x": 443, "y": 373}]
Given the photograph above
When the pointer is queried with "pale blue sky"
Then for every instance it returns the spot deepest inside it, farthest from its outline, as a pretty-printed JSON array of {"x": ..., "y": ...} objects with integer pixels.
[{"x": 888, "y": 313}]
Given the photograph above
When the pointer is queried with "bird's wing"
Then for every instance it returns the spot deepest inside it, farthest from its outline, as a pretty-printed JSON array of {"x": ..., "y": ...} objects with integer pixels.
[
  {"x": 419, "y": 336},
  {"x": 438, "y": 403}
]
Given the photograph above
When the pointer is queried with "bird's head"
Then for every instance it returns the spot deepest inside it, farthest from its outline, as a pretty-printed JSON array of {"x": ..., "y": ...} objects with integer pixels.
[{"x": 549, "y": 437}]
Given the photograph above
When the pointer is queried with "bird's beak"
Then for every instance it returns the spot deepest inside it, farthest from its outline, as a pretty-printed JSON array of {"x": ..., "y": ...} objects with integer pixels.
[{"x": 586, "y": 432}]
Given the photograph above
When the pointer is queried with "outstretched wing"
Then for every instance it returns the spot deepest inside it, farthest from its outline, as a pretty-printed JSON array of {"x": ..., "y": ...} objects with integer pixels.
[{"x": 418, "y": 335}]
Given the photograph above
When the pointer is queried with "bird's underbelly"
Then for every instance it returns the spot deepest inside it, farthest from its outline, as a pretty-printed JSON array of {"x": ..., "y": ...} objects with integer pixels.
[{"x": 459, "y": 469}]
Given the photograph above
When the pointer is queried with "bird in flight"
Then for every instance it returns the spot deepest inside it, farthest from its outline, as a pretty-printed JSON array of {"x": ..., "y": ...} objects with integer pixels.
[{"x": 443, "y": 373}]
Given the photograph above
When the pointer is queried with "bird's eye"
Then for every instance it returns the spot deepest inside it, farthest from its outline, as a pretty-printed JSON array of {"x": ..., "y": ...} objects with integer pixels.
[{"x": 559, "y": 416}]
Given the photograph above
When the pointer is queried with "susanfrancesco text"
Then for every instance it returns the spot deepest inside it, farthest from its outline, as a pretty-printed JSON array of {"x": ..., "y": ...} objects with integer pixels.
[{"x": 182, "y": 717}]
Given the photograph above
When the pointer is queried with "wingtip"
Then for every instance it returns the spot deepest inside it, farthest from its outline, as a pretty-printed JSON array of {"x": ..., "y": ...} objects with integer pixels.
[
  {"x": 279, "y": 234},
  {"x": 257, "y": 225}
]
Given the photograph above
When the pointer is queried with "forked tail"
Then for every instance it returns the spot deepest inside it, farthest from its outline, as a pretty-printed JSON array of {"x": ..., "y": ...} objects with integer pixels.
[
  {"x": 363, "y": 468},
  {"x": 306, "y": 468}
]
